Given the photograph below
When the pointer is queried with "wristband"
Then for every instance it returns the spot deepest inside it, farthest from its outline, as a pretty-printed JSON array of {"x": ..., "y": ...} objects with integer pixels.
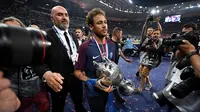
[{"x": 191, "y": 54}]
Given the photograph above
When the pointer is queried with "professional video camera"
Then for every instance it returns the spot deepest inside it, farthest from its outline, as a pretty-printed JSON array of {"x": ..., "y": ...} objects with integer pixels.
[
  {"x": 22, "y": 46},
  {"x": 176, "y": 39}
]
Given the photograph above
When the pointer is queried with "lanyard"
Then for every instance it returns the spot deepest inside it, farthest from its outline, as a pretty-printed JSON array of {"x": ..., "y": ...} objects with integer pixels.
[
  {"x": 105, "y": 50},
  {"x": 59, "y": 37},
  {"x": 73, "y": 44}
]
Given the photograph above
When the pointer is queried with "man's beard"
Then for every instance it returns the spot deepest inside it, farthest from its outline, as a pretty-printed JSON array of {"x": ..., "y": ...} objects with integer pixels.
[
  {"x": 149, "y": 34},
  {"x": 63, "y": 26},
  {"x": 118, "y": 39},
  {"x": 99, "y": 35},
  {"x": 155, "y": 39}
]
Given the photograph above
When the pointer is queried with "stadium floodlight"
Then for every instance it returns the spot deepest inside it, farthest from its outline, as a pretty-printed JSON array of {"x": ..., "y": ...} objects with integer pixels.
[
  {"x": 130, "y": 1},
  {"x": 153, "y": 11}
]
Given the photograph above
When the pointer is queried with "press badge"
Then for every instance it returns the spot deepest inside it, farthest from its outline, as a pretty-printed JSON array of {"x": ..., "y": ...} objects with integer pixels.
[{"x": 74, "y": 58}]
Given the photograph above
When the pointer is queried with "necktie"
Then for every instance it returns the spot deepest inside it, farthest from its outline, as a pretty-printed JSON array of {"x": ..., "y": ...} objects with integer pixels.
[{"x": 67, "y": 39}]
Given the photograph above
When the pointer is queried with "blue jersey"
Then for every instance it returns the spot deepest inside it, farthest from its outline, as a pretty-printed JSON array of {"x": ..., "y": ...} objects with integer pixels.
[{"x": 89, "y": 52}]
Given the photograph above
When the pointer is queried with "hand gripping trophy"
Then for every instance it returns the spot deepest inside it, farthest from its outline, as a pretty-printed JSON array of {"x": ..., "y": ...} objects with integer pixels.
[{"x": 112, "y": 74}]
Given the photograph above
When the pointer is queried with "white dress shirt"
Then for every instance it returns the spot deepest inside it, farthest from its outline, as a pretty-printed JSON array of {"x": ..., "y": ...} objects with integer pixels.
[
  {"x": 64, "y": 42},
  {"x": 79, "y": 41}
]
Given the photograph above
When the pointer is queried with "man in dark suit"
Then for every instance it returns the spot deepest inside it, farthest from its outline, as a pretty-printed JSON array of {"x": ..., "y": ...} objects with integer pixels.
[{"x": 59, "y": 66}]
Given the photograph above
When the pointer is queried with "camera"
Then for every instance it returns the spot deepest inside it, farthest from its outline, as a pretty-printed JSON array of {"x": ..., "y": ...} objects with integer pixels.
[
  {"x": 189, "y": 84},
  {"x": 181, "y": 82},
  {"x": 151, "y": 18},
  {"x": 22, "y": 46},
  {"x": 176, "y": 39}
]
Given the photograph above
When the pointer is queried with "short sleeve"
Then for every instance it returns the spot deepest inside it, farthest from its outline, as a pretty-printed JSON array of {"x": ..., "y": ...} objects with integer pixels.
[{"x": 82, "y": 57}]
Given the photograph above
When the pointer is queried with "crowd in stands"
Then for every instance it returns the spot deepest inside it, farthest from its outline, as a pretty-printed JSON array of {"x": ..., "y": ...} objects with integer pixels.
[{"x": 32, "y": 15}]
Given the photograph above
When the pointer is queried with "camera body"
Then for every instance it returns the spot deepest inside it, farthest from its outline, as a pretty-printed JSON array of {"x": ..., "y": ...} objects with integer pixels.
[
  {"x": 181, "y": 89},
  {"x": 151, "y": 18},
  {"x": 176, "y": 39}
]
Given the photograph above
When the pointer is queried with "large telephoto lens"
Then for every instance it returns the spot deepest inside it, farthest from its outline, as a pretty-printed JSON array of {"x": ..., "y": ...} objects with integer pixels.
[
  {"x": 185, "y": 87},
  {"x": 172, "y": 42},
  {"x": 160, "y": 98},
  {"x": 22, "y": 46}
]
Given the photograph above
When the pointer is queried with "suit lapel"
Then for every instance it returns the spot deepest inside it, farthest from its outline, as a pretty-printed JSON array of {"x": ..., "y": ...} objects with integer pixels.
[
  {"x": 74, "y": 39},
  {"x": 59, "y": 43}
]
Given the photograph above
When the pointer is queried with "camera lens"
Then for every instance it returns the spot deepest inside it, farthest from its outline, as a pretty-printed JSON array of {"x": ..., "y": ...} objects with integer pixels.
[
  {"x": 20, "y": 46},
  {"x": 185, "y": 87},
  {"x": 172, "y": 42},
  {"x": 160, "y": 98}
]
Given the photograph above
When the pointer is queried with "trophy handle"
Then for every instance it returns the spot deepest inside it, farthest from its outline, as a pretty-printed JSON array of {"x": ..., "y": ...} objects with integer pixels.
[{"x": 95, "y": 63}]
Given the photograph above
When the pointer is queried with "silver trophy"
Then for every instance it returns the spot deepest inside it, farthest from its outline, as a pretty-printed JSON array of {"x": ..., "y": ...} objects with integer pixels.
[{"x": 112, "y": 74}]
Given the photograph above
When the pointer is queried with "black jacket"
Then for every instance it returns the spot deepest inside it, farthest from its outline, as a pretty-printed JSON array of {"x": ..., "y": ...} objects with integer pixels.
[{"x": 57, "y": 59}]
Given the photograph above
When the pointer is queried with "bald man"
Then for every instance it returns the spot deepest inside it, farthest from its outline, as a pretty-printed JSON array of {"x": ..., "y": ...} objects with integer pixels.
[{"x": 59, "y": 66}]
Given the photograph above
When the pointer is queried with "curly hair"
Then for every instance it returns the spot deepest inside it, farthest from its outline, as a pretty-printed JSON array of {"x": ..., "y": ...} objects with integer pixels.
[{"x": 92, "y": 14}]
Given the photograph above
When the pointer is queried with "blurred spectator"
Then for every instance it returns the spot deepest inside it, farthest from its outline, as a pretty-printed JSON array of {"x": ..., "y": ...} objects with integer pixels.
[
  {"x": 79, "y": 35},
  {"x": 25, "y": 82}
]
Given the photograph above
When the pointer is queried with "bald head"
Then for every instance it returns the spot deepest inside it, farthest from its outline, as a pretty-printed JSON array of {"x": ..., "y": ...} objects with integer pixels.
[
  {"x": 60, "y": 17},
  {"x": 56, "y": 8}
]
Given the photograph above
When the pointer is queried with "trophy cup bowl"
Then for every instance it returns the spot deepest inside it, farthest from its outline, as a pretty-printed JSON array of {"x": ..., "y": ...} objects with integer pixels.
[{"x": 114, "y": 77}]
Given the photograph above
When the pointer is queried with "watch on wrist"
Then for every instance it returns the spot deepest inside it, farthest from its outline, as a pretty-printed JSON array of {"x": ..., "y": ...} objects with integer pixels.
[{"x": 191, "y": 54}]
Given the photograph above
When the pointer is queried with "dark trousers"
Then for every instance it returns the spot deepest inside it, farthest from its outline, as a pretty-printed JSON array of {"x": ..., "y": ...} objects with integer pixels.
[
  {"x": 98, "y": 103},
  {"x": 75, "y": 89},
  {"x": 76, "y": 93},
  {"x": 41, "y": 101}
]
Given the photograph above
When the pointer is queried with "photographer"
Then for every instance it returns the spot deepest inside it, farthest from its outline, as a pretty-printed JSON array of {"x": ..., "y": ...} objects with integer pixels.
[
  {"x": 187, "y": 50},
  {"x": 150, "y": 58},
  {"x": 185, "y": 29},
  {"x": 147, "y": 33}
]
